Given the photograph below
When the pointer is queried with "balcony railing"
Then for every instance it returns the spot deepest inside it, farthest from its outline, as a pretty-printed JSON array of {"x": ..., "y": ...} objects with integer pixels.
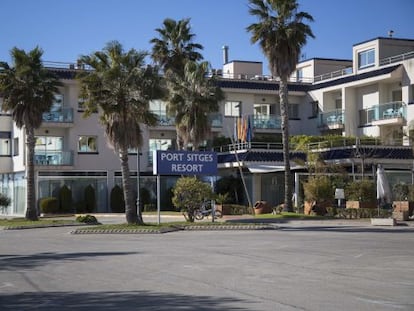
[
  {"x": 63, "y": 116},
  {"x": 334, "y": 74},
  {"x": 334, "y": 117},
  {"x": 216, "y": 119},
  {"x": 380, "y": 112},
  {"x": 164, "y": 120},
  {"x": 397, "y": 58},
  {"x": 54, "y": 158},
  {"x": 266, "y": 122}
]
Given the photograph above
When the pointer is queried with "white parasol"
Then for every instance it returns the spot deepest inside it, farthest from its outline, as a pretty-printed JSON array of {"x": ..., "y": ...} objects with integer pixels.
[{"x": 384, "y": 194}]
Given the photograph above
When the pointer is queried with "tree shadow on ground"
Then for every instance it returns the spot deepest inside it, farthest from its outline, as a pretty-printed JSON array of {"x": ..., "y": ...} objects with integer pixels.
[
  {"x": 13, "y": 262},
  {"x": 115, "y": 301}
]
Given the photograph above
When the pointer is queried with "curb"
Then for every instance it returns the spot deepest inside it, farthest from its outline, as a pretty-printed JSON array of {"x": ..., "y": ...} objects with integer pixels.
[{"x": 177, "y": 228}]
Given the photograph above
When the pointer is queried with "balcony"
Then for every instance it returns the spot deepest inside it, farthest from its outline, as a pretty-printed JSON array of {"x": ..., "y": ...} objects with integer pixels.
[
  {"x": 393, "y": 113},
  {"x": 266, "y": 122},
  {"x": 63, "y": 118},
  {"x": 164, "y": 120},
  {"x": 332, "y": 119},
  {"x": 54, "y": 158},
  {"x": 216, "y": 120}
]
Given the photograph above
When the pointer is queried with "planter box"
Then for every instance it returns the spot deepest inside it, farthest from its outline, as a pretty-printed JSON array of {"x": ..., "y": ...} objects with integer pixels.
[
  {"x": 357, "y": 204},
  {"x": 400, "y": 215},
  {"x": 319, "y": 209},
  {"x": 383, "y": 222},
  {"x": 403, "y": 206}
]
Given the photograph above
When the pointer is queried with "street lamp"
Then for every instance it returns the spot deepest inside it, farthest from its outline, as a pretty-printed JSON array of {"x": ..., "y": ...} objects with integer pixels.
[{"x": 138, "y": 183}]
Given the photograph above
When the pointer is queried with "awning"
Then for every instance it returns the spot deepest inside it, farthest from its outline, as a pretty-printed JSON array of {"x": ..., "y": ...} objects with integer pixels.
[{"x": 258, "y": 168}]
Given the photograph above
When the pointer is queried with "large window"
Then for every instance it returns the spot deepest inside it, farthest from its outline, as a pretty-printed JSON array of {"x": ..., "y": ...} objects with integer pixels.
[
  {"x": 293, "y": 111},
  {"x": 366, "y": 58},
  {"x": 232, "y": 109},
  {"x": 88, "y": 144},
  {"x": 5, "y": 144}
]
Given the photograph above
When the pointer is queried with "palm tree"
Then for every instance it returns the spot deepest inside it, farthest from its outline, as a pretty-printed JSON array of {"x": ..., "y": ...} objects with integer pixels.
[
  {"x": 172, "y": 50},
  {"x": 281, "y": 34},
  {"x": 191, "y": 99},
  {"x": 175, "y": 46},
  {"x": 120, "y": 86},
  {"x": 28, "y": 90}
]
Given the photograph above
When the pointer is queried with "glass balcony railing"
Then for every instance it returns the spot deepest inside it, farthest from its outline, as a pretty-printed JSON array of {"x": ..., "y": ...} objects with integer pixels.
[
  {"x": 266, "y": 122},
  {"x": 164, "y": 120},
  {"x": 63, "y": 116},
  {"x": 216, "y": 119},
  {"x": 55, "y": 157},
  {"x": 334, "y": 117},
  {"x": 380, "y": 112}
]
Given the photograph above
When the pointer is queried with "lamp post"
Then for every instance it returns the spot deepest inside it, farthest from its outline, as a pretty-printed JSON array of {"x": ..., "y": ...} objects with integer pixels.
[{"x": 138, "y": 183}]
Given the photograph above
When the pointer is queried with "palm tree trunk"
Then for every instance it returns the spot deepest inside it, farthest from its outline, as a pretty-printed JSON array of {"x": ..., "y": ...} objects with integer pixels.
[
  {"x": 31, "y": 210},
  {"x": 130, "y": 208},
  {"x": 284, "y": 111}
]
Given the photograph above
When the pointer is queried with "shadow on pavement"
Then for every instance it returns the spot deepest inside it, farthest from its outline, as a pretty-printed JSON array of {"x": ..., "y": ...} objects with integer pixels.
[
  {"x": 115, "y": 301},
  {"x": 12, "y": 262}
]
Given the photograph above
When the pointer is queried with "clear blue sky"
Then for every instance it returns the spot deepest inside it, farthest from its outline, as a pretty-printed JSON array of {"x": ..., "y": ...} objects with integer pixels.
[{"x": 66, "y": 29}]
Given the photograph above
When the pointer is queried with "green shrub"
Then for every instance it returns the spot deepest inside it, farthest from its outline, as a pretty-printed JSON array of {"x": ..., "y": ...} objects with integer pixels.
[
  {"x": 90, "y": 199},
  {"x": 65, "y": 199},
  {"x": 5, "y": 201},
  {"x": 188, "y": 195},
  {"x": 117, "y": 201},
  {"x": 319, "y": 188},
  {"x": 235, "y": 209},
  {"x": 87, "y": 219},
  {"x": 356, "y": 213},
  {"x": 49, "y": 205},
  {"x": 361, "y": 190}
]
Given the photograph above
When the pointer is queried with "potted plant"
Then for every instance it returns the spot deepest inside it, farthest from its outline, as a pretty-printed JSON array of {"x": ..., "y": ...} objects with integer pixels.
[
  {"x": 361, "y": 194},
  {"x": 403, "y": 203},
  {"x": 220, "y": 199},
  {"x": 319, "y": 194}
]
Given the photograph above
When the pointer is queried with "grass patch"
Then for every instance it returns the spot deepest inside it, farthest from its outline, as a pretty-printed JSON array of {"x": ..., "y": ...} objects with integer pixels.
[
  {"x": 22, "y": 222},
  {"x": 289, "y": 215}
]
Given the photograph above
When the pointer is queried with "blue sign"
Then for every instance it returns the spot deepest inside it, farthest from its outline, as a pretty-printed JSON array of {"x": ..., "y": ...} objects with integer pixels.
[{"x": 185, "y": 163}]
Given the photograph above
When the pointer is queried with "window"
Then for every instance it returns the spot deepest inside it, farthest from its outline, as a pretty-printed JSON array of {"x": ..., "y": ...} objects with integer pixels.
[
  {"x": 299, "y": 75},
  {"x": 261, "y": 109},
  {"x": 57, "y": 103},
  {"x": 232, "y": 109},
  {"x": 366, "y": 58},
  {"x": 16, "y": 146},
  {"x": 88, "y": 144},
  {"x": 5, "y": 144},
  {"x": 315, "y": 109},
  {"x": 293, "y": 111}
]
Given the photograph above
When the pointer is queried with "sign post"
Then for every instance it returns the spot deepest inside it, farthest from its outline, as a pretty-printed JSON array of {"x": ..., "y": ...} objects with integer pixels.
[{"x": 182, "y": 163}]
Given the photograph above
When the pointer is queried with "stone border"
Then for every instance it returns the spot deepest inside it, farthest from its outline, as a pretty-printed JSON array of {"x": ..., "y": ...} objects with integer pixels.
[{"x": 178, "y": 228}]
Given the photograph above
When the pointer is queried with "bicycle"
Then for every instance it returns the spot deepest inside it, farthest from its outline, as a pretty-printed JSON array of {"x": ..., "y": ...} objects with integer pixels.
[{"x": 206, "y": 210}]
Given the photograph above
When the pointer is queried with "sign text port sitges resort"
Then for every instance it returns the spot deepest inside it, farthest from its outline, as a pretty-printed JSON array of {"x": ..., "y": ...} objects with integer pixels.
[{"x": 185, "y": 163}]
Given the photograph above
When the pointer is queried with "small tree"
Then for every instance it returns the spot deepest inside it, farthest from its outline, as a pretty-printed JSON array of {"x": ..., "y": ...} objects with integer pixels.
[
  {"x": 90, "y": 199},
  {"x": 361, "y": 190},
  {"x": 318, "y": 188},
  {"x": 5, "y": 201},
  {"x": 188, "y": 195},
  {"x": 117, "y": 200},
  {"x": 65, "y": 199}
]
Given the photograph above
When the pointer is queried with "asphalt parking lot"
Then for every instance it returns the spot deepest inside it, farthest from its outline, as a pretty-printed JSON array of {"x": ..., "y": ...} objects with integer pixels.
[{"x": 301, "y": 265}]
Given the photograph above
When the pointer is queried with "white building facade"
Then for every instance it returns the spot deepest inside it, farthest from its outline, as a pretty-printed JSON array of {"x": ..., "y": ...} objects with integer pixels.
[{"x": 370, "y": 95}]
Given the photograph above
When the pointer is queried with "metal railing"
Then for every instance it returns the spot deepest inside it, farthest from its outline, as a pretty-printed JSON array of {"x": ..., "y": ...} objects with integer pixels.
[
  {"x": 53, "y": 158},
  {"x": 396, "y": 58},
  {"x": 334, "y": 74}
]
